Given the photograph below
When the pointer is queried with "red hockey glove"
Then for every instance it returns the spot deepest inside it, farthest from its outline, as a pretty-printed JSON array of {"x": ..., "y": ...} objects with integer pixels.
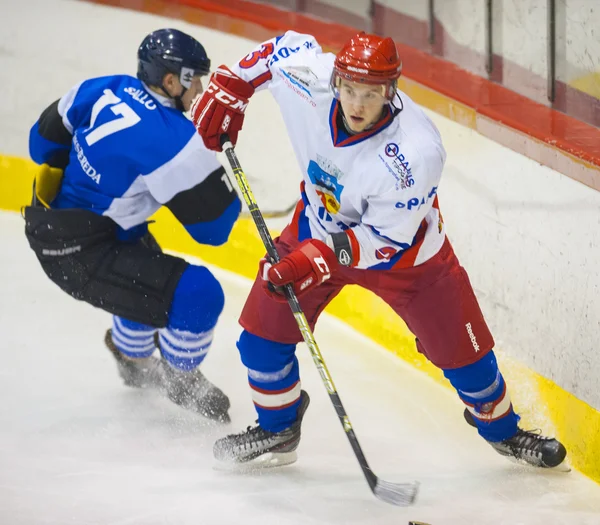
[
  {"x": 221, "y": 108},
  {"x": 309, "y": 265}
]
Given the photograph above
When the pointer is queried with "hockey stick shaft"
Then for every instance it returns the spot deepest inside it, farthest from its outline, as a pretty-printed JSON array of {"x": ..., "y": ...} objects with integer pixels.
[
  {"x": 274, "y": 214},
  {"x": 400, "y": 494}
]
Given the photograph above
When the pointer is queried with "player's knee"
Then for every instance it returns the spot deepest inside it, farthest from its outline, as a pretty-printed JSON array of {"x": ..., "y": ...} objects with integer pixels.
[
  {"x": 197, "y": 302},
  {"x": 476, "y": 376},
  {"x": 262, "y": 355}
]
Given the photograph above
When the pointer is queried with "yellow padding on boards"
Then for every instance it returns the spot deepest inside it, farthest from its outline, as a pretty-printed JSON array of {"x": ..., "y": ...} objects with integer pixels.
[
  {"x": 541, "y": 402},
  {"x": 588, "y": 83},
  {"x": 16, "y": 182},
  {"x": 427, "y": 97},
  {"x": 578, "y": 426}
]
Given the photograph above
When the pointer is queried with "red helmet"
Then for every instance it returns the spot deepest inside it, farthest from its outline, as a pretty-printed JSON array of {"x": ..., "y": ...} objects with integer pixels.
[{"x": 370, "y": 59}]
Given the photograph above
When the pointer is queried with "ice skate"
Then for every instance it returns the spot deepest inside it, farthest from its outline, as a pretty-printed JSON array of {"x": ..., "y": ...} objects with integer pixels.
[
  {"x": 190, "y": 390},
  {"x": 138, "y": 373},
  {"x": 528, "y": 447},
  {"x": 193, "y": 391},
  {"x": 260, "y": 447}
]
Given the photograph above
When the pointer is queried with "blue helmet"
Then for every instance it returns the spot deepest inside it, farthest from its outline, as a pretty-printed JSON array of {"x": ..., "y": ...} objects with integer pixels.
[{"x": 171, "y": 51}]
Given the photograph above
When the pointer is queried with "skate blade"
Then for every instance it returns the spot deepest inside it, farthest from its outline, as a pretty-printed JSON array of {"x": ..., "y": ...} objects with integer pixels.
[
  {"x": 564, "y": 467},
  {"x": 265, "y": 461}
]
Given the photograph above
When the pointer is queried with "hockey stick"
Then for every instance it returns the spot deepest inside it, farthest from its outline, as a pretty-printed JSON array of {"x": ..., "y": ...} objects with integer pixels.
[
  {"x": 274, "y": 214},
  {"x": 402, "y": 494}
]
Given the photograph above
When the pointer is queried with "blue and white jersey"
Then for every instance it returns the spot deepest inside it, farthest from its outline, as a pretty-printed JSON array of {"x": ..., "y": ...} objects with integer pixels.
[{"x": 130, "y": 152}]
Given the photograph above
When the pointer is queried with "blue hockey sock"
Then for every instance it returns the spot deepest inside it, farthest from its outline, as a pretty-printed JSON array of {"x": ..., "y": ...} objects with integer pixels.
[
  {"x": 197, "y": 303},
  {"x": 482, "y": 389},
  {"x": 135, "y": 340},
  {"x": 184, "y": 350},
  {"x": 274, "y": 378}
]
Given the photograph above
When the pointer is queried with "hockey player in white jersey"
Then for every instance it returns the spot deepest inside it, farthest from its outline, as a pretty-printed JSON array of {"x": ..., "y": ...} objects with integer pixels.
[
  {"x": 114, "y": 150},
  {"x": 368, "y": 215}
]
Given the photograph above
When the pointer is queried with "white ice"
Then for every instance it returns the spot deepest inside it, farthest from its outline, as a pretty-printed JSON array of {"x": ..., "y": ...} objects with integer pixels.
[{"x": 78, "y": 447}]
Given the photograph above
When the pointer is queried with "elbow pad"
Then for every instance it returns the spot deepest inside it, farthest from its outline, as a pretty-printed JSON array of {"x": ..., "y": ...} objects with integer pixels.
[{"x": 345, "y": 246}]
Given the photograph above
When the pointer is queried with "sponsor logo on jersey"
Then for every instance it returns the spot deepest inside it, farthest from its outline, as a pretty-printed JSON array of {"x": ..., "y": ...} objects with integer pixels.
[
  {"x": 286, "y": 52},
  {"x": 472, "y": 337},
  {"x": 398, "y": 166},
  {"x": 415, "y": 203},
  {"x": 141, "y": 96},
  {"x": 84, "y": 163},
  {"x": 297, "y": 86},
  {"x": 296, "y": 81},
  {"x": 303, "y": 74},
  {"x": 385, "y": 253}
]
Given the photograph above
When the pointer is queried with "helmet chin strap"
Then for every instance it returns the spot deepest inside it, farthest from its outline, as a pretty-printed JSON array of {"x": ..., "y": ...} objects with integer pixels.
[{"x": 178, "y": 101}]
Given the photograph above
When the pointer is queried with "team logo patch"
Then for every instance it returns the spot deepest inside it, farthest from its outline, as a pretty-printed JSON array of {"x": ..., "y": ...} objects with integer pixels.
[{"x": 326, "y": 184}]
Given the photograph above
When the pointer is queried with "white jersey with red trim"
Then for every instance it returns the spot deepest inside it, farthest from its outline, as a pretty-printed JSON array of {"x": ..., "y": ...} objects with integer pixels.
[{"x": 380, "y": 185}]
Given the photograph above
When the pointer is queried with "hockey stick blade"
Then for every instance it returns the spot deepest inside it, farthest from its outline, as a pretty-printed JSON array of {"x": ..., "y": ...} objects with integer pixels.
[{"x": 400, "y": 494}]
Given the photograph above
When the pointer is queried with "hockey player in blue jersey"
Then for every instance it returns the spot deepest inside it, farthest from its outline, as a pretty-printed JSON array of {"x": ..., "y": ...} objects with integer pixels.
[{"x": 113, "y": 150}]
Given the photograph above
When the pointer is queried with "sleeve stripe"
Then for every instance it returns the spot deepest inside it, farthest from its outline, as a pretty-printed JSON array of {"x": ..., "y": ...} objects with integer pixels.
[
  {"x": 355, "y": 246},
  {"x": 261, "y": 79},
  {"x": 189, "y": 167}
]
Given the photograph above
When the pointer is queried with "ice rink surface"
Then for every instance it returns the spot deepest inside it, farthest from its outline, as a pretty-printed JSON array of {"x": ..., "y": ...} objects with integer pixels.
[{"x": 78, "y": 447}]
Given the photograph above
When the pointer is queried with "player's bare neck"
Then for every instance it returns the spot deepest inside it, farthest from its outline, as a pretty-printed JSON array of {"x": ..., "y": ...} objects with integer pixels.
[
  {"x": 161, "y": 96},
  {"x": 158, "y": 91},
  {"x": 343, "y": 123}
]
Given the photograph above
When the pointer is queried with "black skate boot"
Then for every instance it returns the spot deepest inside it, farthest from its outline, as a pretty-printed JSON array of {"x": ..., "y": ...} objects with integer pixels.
[
  {"x": 190, "y": 390},
  {"x": 529, "y": 447},
  {"x": 261, "y": 447},
  {"x": 138, "y": 373},
  {"x": 193, "y": 391}
]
